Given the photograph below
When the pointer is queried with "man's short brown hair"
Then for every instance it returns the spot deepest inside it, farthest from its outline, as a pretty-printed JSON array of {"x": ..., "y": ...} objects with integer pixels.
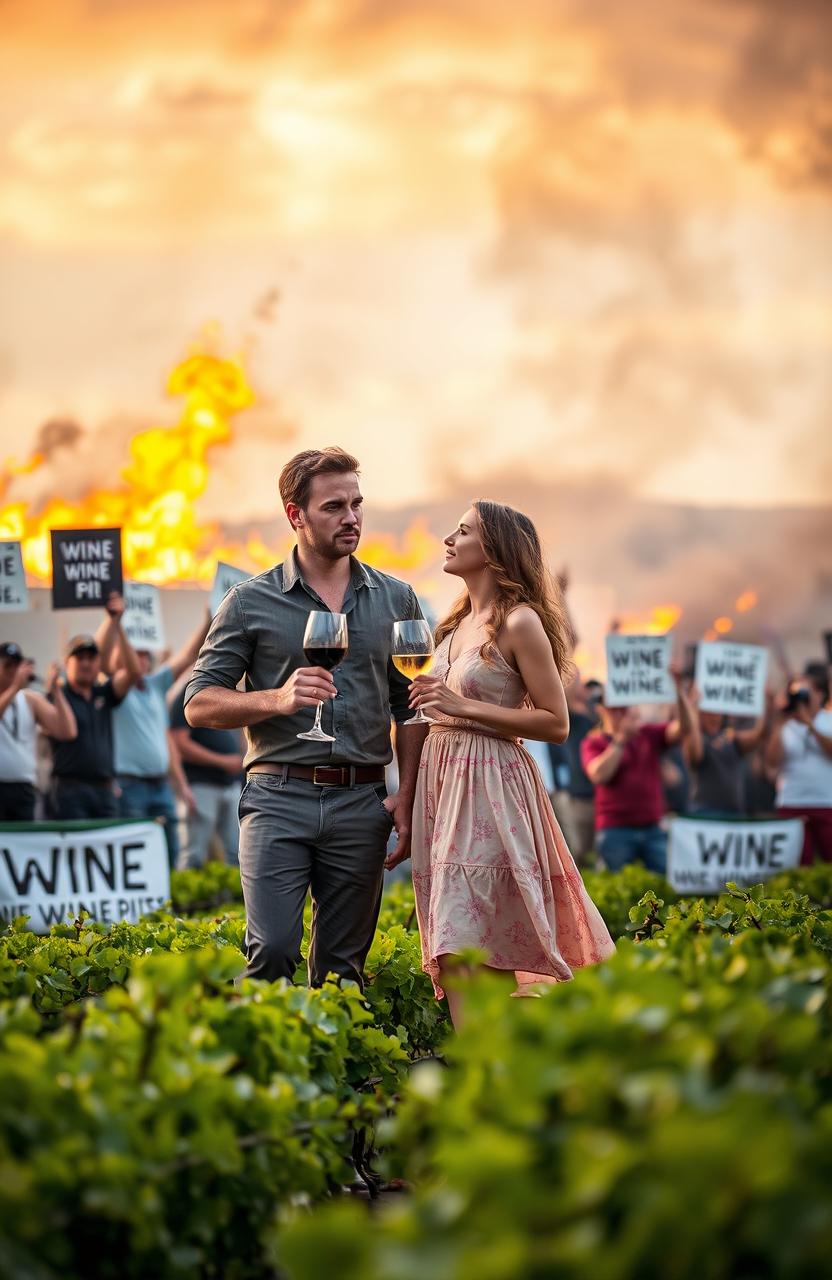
[{"x": 296, "y": 478}]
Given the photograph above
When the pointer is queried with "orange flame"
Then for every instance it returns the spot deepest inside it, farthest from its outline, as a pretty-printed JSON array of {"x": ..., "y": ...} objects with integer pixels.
[
  {"x": 723, "y": 625},
  {"x": 661, "y": 618},
  {"x": 163, "y": 541},
  {"x": 747, "y": 601}
]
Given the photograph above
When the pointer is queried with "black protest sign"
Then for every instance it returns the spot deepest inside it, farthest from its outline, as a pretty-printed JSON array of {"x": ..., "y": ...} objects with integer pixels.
[{"x": 86, "y": 567}]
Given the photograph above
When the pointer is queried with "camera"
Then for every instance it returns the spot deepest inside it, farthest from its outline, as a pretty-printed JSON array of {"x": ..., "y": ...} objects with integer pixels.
[{"x": 797, "y": 698}]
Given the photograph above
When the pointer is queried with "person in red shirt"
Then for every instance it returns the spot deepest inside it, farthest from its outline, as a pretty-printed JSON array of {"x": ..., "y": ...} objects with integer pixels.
[{"x": 622, "y": 759}]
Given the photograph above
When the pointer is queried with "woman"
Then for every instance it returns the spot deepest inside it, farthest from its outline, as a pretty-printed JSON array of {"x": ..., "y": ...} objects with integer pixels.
[
  {"x": 491, "y": 868},
  {"x": 800, "y": 749}
]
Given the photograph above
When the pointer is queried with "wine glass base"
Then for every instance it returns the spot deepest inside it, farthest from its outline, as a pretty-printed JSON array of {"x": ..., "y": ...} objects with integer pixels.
[
  {"x": 319, "y": 736},
  {"x": 415, "y": 720}
]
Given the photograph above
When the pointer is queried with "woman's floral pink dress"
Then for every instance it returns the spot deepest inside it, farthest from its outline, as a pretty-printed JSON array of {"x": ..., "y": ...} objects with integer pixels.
[{"x": 491, "y": 868}]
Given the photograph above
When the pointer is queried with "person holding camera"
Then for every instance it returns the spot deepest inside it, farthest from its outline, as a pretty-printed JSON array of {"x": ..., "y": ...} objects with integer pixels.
[
  {"x": 800, "y": 748},
  {"x": 22, "y": 713}
]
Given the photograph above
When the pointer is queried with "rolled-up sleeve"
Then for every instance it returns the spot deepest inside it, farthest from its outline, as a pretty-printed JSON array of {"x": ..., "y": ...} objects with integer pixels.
[
  {"x": 400, "y": 707},
  {"x": 226, "y": 653}
]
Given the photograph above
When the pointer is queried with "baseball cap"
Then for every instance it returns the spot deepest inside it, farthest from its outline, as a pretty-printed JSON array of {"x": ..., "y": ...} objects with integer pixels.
[
  {"x": 11, "y": 651},
  {"x": 78, "y": 643}
]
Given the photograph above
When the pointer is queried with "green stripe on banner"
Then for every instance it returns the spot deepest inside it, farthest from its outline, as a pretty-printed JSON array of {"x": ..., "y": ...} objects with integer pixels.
[{"x": 77, "y": 824}]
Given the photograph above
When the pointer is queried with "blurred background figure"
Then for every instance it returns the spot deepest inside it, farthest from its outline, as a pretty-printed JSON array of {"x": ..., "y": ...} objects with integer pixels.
[
  {"x": 582, "y": 698},
  {"x": 622, "y": 758},
  {"x": 800, "y": 749},
  {"x": 147, "y": 769},
  {"x": 22, "y": 713},
  {"x": 83, "y": 768},
  {"x": 715, "y": 752},
  {"x": 212, "y": 760}
]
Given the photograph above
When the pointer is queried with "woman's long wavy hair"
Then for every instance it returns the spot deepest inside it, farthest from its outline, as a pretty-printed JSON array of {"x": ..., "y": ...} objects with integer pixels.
[{"x": 514, "y": 555}]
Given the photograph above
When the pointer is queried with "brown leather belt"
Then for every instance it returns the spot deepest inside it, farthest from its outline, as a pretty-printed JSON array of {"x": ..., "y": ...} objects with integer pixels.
[{"x": 325, "y": 775}]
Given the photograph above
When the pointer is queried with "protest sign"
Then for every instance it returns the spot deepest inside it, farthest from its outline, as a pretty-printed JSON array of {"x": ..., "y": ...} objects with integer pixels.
[
  {"x": 14, "y": 597},
  {"x": 704, "y": 854},
  {"x": 227, "y": 576},
  {"x": 86, "y": 567},
  {"x": 637, "y": 670},
  {"x": 117, "y": 872},
  {"x": 731, "y": 678},
  {"x": 142, "y": 622}
]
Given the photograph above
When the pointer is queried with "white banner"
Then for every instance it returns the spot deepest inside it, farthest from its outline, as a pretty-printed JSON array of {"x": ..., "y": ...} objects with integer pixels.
[
  {"x": 113, "y": 873},
  {"x": 14, "y": 596},
  {"x": 226, "y": 577},
  {"x": 143, "y": 621},
  {"x": 703, "y": 854},
  {"x": 638, "y": 670},
  {"x": 731, "y": 678}
]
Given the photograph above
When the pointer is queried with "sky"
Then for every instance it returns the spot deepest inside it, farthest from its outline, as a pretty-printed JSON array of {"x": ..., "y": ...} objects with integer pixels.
[{"x": 581, "y": 241}]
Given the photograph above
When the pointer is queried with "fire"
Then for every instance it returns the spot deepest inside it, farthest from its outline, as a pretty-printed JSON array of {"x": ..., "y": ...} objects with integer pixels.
[
  {"x": 747, "y": 601},
  {"x": 661, "y": 619},
  {"x": 723, "y": 625},
  {"x": 163, "y": 539}
]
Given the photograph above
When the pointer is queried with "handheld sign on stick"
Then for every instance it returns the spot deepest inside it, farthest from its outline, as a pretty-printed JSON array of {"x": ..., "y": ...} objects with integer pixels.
[
  {"x": 731, "y": 678},
  {"x": 227, "y": 576},
  {"x": 638, "y": 670},
  {"x": 143, "y": 624},
  {"x": 86, "y": 567},
  {"x": 14, "y": 596}
]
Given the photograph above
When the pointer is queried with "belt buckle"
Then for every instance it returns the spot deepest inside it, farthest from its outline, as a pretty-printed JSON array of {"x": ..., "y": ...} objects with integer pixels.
[{"x": 324, "y": 768}]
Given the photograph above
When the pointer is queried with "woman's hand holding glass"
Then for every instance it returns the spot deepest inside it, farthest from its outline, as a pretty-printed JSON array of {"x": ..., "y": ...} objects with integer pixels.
[{"x": 412, "y": 654}]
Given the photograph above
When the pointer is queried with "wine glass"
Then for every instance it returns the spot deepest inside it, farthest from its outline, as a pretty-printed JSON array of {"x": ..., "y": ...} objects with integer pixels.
[
  {"x": 325, "y": 644},
  {"x": 412, "y": 654}
]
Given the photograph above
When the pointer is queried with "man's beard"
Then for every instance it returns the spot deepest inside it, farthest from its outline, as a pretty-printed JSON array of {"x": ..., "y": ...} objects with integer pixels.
[{"x": 334, "y": 548}]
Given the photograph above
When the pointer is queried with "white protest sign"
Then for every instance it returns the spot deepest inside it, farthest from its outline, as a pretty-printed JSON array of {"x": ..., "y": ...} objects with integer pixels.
[
  {"x": 227, "y": 576},
  {"x": 14, "y": 596},
  {"x": 638, "y": 670},
  {"x": 731, "y": 678},
  {"x": 113, "y": 873},
  {"x": 704, "y": 854},
  {"x": 143, "y": 623}
]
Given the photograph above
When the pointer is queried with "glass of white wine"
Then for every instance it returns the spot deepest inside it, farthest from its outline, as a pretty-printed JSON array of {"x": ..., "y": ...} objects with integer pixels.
[{"x": 412, "y": 654}]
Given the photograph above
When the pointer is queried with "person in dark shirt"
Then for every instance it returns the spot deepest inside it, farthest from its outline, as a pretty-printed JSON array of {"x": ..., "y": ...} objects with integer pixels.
[
  {"x": 582, "y": 698},
  {"x": 213, "y": 763},
  {"x": 83, "y": 768},
  {"x": 714, "y": 753}
]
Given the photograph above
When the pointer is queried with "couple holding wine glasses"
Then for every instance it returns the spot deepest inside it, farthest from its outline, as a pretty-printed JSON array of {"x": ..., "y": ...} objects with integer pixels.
[{"x": 491, "y": 869}]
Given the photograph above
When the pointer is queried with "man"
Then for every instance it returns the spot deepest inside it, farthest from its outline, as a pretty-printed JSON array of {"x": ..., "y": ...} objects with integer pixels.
[
  {"x": 714, "y": 752},
  {"x": 83, "y": 770},
  {"x": 622, "y": 759},
  {"x": 313, "y": 815},
  {"x": 22, "y": 713},
  {"x": 800, "y": 749},
  {"x": 212, "y": 762},
  {"x": 144, "y": 761}
]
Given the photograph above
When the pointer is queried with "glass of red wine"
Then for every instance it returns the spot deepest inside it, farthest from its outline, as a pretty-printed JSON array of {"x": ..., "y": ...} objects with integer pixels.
[{"x": 325, "y": 644}]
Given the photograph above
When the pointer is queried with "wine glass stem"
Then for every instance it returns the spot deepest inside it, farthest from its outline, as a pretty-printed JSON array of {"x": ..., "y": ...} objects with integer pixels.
[{"x": 317, "y": 723}]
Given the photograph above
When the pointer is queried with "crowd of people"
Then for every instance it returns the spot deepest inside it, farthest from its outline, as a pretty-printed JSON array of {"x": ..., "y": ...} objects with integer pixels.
[
  {"x": 108, "y": 739},
  {"x": 620, "y": 775}
]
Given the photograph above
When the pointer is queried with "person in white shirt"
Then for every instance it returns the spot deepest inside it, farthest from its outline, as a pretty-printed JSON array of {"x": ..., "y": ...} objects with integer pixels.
[
  {"x": 800, "y": 749},
  {"x": 22, "y": 713}
]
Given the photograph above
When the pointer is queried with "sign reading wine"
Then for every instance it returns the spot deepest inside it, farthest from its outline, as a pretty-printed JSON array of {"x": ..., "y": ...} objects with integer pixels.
[
  {"x": 143, "y": 623},
  {"x": 704, "y": 855},
  {"x": 638, "y": 670},
  {"x": 86, "y": 567},
  {"x": 119, "y": 872},
  {"x": 14, "y": 597},
  {"x": 731, "y": 678}
]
